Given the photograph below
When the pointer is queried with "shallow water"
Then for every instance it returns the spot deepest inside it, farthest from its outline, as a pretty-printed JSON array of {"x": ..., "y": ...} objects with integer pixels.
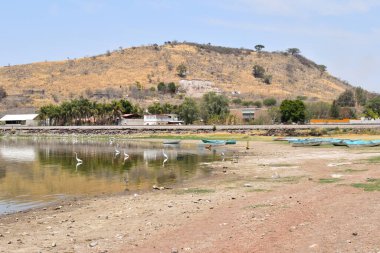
[{"x": 35, "y": 172}]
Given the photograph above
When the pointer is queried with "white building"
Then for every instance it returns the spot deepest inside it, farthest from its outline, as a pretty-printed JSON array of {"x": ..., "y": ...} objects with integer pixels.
[
  {"x": 161, "y": 119},
  {"x": 20, "y": 119}
]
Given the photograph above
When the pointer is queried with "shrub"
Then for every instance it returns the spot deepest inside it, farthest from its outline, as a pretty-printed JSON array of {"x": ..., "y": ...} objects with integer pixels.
[
  {"x": 267, "y": 79},
  {"x": 258, "y": 71},
  {"x": 270, "y": 102},
  {"x": 181, "y": 70}
]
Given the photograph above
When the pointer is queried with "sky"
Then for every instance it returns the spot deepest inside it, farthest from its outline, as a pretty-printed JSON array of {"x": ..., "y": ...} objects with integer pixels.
[{"x": 343, "y": 35}]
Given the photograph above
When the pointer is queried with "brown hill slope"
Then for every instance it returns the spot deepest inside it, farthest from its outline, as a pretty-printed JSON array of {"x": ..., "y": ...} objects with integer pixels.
[{"x": 227, "y": 69}]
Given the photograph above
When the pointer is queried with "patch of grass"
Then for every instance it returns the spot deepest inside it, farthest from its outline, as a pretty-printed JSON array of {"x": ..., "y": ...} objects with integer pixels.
[
  {"x": 259, "y": 190},
  {"x": 329, "y": 180},
  {"x": 281, "y": 165},
  {"x": 257, "y": 206},
  {"x": 194, "y": 191},
  {"x": 354, "y": 170},
  {"x": 372, "y": 184},
  {"x": 375, "y": 159},
  {"x": 288, "y": 179}
]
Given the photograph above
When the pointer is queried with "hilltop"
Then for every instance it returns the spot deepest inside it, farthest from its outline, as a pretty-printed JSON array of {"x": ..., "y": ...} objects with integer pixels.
[{"x": 132, "y": 73}]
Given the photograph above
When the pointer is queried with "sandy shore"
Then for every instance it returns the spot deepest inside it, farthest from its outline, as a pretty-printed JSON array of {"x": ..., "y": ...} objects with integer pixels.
[{"x": 276, "y": 198}]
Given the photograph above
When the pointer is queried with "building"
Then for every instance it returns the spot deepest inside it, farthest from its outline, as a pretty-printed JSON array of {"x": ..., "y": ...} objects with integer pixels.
[
  {"x": 131, "y": 120},
  {"x": 20, "y": 119},
  {"x": 243, "y": 115},
  {"x": 161, "y": 119},
  {"x": 248, "y": 113}
]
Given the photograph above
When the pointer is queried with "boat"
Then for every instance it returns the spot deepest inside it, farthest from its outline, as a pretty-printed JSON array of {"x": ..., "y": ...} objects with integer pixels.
[
  {"x": 285, "y": 139},
  {"x": 229, "y": 142},
  {"x": 361, "y": 143},
  {"x": 214, "y": 142},
  {"x": 305, "y": 143},
  {"x": 172, "y": 142}
]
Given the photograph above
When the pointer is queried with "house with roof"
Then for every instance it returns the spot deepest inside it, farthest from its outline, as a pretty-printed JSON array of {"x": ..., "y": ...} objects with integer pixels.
[{"x": 20, "y": 120}]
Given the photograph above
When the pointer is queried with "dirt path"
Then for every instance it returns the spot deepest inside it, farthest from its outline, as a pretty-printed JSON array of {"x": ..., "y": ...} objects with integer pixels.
[{"x": 272, "y": 200}]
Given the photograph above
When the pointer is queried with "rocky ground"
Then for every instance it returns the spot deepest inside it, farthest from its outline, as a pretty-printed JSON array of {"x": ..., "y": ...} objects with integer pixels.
[{"x": 275, "y": 198}]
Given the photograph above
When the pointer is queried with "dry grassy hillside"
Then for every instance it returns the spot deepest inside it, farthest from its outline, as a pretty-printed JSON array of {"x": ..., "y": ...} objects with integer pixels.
[{"x": 229, "y": 69}]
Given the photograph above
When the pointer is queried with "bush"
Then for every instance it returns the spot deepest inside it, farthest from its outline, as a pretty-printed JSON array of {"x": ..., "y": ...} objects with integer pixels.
[
  {"x": 181, "y": 70},
  {"x": 237, "y": 101},
  {"x": 3, "y": 93},
  {"x": 270, "y": 102},
  {"x": 258, "y": 71},
  {"x": 267, "y": 79}
]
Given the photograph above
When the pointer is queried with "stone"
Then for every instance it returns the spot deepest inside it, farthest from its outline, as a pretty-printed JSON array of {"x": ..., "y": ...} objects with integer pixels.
[
  {"x": 54, "y": 244},
  {"x": 247, "y": 185},
  {"x": 93, "y": 244}
]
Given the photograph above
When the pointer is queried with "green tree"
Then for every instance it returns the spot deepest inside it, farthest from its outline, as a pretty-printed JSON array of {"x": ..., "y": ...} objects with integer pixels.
[
  {"x": 161, "y": 87},
  {"x": 214, "y": 107},
  {"x": 155, "y": 108},
  {"x": 181, "y": 70},
  {"x": 372, "y": 109},
  {"x": 172, "y": 88},
  {"x": 275, "y": 114},
  {"x": 258, "y": 104},
  {"x": 346, "y": 99},
  {"x": 258, "y": 71},
  {"x": 259, "y": 48},
  {"x": 318, "y": 110},
  {"x": 292, "y": 111},
  {"x": 293, "y": 51},
  {"x": 335, "y": 110},
  {"x": 270, "y": 102},
  {"x": 188, "y": 111},
  {"x": 360, "y": 96},
  {"x": 237, "y": 101}
]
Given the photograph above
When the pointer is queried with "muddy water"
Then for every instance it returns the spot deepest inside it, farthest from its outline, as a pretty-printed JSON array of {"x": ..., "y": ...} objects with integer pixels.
[{"x": 34, "y": 172}]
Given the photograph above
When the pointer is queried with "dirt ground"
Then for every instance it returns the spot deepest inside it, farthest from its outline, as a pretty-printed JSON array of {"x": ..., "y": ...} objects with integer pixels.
[{"x": 276, "y": 198}]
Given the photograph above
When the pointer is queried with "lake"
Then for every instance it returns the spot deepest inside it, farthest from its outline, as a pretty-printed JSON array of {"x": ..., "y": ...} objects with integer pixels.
[{"x": 35, "y": 172}]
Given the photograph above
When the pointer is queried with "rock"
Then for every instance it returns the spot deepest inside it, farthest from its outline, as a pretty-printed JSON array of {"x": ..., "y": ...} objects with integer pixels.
[
  {"x": 174, "y": 250},
  {"x": 93, "y": 244},
  {"x": 58, "y": 207},
  {"x": 9, "y": 242},
  {"x": 54, "y": 244},
  {"x": 354, "y": 233},
  {"x": 247, "y": 185},
  {"x": 313, "y": 245}
]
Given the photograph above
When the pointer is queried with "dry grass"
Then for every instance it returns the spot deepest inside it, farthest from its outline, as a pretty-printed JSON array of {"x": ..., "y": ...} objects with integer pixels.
[{"x": 229, "y": 70}]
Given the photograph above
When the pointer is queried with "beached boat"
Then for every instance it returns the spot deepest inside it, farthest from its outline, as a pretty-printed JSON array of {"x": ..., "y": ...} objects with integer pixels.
[
  {"x": 172, "y": 142},
  {"x": 305, "y": 143},
  {"x": 229, "y": 142},
  {"x": 214, "y": 142},
  {"x": 362, "y": 143}
]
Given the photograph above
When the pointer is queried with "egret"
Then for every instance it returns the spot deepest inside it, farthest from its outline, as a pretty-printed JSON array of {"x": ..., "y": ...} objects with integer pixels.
[
  {"x": 78, "y": 160},
  {"x": 165, "y": 155},
  {"x": 126, "y": 156},
  {"x": 117, "y": 152}
]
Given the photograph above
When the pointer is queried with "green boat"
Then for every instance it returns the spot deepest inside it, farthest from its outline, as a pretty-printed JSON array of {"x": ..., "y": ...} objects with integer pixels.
[{"x": 219, "y": 142}]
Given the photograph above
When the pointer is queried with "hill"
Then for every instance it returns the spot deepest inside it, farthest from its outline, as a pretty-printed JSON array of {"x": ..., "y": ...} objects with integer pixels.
[{"x": 129, "y": 72}]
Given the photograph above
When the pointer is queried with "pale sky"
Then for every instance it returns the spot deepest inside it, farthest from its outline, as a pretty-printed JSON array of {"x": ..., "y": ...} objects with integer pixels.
[{"x": 344, "y": 35}]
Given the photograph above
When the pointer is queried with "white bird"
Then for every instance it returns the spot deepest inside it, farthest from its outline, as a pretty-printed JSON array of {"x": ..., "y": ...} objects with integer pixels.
[
  {"x": 126, "y": 156},
  {"x": 117, "y": 152},
  {"x": 165, "y": 155},
  {"x": 78, "y": 160}
]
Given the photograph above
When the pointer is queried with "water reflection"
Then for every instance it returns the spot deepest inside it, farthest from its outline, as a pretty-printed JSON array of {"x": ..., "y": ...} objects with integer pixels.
[{"x": 31, "y": 169}]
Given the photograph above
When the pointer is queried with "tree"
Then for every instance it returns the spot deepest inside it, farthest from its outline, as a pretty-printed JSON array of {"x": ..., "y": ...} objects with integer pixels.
[
  {"x": 259, "y": 47},
  {"x": 346, "y": 99},
  {"x": 161, "y": 87},
  {"x": 237, "y": 101},
  {"x": 270, "y": 102},
  {"x": 188, "y": 111},
  {"x": 181, "y": 70},
  {"x": 258, "y": 71},
  {"x": 155, "y": 108},
  {"x": 275, "y": 114},
  {"x": 214, "y": 107},
  {"x": 172, "y": 88},
  {"x": 258, "y": 104},
  {"x": 360, "y": 96},
  {"x": 334, "y": 110},
  {"x": 292, "y": 111},
  {"x": 373, "y": 108},
  {"x": 293, "y": 51},
  {"x": 318, "y": 110}
]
